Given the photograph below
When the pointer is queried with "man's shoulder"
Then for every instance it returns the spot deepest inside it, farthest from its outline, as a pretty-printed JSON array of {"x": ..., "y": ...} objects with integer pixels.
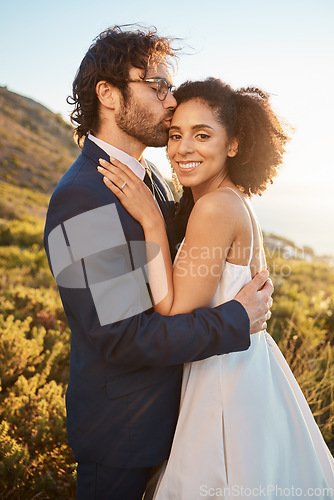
[
  {"x": 81, "y": 189},
  {"x": 79, "y": 169},
  {"x": 68, "y": 178},
  {"x": 83, "y": 170},
  {"x": 82, "y": 174}
]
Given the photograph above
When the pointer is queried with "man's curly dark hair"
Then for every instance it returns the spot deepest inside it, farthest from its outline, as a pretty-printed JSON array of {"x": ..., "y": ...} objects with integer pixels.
[
  {"x": 245, "y": 114},
  {"x": 109, "y": 58}
]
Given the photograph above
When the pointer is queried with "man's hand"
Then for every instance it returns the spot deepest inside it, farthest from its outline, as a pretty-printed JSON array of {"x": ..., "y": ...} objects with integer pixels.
[{"x": 256, "y": 299}]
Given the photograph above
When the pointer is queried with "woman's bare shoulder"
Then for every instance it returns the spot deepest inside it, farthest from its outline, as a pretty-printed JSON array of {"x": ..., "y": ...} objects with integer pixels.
[{"x": 221, "y": 204}]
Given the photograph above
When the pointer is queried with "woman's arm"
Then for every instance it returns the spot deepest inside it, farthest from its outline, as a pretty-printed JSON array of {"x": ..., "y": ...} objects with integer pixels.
[{"x": 213, "y": 226}]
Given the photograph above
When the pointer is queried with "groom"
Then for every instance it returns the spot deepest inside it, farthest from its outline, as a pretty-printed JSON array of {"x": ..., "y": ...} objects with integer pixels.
[{"x": 126, "y": 360}]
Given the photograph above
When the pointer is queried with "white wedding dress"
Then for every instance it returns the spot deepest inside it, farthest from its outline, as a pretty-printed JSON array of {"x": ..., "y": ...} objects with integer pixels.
[{"x": 245, "y": 429}]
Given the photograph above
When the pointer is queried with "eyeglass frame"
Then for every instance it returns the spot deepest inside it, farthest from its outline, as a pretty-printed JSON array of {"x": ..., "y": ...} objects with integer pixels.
[{"x": 169, "y": 86}]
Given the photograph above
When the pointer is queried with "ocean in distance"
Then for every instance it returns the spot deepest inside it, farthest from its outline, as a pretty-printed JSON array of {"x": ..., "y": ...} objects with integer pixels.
[{"x": 302, "y": 213}]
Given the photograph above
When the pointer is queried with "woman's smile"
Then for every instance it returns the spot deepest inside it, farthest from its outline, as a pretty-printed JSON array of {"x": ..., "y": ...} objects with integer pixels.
[{"x": 188, "y": 166}]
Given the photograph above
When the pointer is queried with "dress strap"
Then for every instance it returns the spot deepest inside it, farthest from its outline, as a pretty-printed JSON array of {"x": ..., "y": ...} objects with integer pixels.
[{"x": 248, "y": 210}]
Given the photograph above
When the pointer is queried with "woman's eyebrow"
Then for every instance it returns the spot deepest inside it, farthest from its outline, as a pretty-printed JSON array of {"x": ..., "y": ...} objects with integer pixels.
[
  {"x": 194, "y": 127},
  {"x": 201, "y": 125}
]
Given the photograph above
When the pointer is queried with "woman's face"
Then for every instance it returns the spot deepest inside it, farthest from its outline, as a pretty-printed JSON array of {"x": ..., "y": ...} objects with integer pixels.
[{"x": 198, "y": 146}]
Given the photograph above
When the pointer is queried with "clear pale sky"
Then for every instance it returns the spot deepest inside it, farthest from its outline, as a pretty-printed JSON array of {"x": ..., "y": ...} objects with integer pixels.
[{"x": 285, "y": 47}]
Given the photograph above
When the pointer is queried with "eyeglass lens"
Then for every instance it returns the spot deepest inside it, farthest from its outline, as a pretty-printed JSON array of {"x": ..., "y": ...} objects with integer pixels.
[{"x": 162, "y": 89}]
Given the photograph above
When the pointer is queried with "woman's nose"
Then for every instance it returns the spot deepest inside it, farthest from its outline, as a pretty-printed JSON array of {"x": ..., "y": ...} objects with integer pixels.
[{"x": 185, "y": 146}]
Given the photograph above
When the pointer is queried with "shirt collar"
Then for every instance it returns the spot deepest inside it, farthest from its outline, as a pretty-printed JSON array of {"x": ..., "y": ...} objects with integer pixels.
[{"x": 120, "y": 155}]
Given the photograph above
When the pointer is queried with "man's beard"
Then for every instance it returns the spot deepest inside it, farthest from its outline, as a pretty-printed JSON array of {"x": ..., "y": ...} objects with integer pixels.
[{"x": 139, "y": 123}]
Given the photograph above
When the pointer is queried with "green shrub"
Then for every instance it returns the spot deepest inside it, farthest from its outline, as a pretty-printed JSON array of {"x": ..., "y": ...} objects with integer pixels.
[{"x": 35, "y": 459}]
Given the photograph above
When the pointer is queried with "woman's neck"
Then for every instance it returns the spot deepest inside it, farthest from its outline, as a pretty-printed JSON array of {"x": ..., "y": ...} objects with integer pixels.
[{"x": 212, "y": 185}]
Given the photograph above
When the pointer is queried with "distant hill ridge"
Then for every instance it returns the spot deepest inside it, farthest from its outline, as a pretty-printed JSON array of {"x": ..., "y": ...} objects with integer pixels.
[{"x": 36, "y": 145}]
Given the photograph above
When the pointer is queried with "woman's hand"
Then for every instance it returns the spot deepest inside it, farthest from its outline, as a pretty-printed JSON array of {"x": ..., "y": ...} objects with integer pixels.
[{"x": 131, "y": 191}]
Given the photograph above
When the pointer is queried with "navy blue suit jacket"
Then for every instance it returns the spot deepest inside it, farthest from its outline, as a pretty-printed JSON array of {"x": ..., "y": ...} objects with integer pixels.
[{"x": 123, "y": 394}]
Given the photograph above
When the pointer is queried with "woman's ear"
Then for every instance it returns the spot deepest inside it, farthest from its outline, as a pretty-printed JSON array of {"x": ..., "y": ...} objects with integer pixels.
[
  {"x": 106, "y": 94},
  {"x": 233, "y": 147}
]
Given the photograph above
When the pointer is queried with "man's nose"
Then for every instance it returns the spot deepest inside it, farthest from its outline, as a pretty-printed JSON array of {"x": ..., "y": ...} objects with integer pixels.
[{"x": 170, "y": 101}]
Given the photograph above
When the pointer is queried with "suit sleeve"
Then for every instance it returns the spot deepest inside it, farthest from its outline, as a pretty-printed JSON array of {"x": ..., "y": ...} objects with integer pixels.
[{"x": 95, "y": 302}]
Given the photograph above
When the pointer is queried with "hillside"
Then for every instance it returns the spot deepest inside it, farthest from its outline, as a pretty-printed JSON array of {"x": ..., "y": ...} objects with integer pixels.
[{"x": 36, "y": 147}]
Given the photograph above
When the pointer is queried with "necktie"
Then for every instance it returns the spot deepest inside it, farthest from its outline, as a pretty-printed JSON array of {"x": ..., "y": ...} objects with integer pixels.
[{"x": 148, "y": 180}]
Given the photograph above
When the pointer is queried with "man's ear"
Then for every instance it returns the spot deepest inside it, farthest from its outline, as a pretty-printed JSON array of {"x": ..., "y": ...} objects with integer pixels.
[
  {"x": 106, "y": 94},
  {"x": 233, "y": 147}
]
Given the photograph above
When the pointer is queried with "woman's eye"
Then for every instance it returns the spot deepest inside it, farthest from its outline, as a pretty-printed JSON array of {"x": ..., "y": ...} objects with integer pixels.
[
  {"x": 175, "y": 137},
  {"x": 203, "y": 136}
]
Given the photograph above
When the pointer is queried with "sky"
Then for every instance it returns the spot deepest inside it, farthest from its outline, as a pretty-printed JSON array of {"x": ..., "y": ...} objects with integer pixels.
[{"x": 285, "y": 48}]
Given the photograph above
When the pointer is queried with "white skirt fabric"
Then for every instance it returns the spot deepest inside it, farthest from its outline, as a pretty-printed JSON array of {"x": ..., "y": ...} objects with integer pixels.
[{"x": 245, "y": 429}]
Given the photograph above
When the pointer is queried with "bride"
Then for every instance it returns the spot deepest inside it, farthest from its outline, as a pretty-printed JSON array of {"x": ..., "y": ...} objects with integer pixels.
[{"x": 244, "y": 427}]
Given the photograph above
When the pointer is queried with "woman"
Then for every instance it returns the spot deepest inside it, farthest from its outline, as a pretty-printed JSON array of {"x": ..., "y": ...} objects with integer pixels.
[{"x": 244, "y": 427}]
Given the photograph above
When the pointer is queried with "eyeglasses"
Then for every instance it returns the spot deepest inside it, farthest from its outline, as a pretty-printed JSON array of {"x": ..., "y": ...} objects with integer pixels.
[{"x": 162, "y": 89}]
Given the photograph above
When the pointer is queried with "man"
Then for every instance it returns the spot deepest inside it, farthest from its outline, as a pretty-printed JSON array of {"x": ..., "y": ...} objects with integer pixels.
[{"x": 126, "y": 361}]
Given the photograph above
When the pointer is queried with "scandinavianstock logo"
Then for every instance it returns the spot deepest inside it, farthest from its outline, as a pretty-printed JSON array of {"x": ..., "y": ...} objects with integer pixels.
[{"x": 90, "y": 251}]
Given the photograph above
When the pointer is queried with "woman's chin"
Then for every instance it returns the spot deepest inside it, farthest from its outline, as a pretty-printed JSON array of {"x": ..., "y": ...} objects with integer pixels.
[
  {"x": 186, "y": 184},
  {"x": 185, "y": 180}
]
